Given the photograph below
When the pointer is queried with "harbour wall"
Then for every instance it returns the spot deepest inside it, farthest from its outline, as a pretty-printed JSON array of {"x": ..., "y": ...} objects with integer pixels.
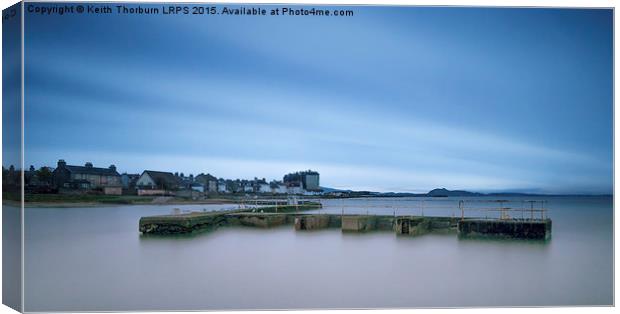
[
  {"x": 401, "y": 225},
  {"x": 523, "y": 229}
]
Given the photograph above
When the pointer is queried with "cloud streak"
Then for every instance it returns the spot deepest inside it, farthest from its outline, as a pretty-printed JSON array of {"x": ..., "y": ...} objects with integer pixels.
[{"x": 387, "y": 108}]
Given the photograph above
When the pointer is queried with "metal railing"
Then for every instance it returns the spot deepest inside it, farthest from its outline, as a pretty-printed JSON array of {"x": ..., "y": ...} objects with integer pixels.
[
  {"x": 467, "y": 208},
  {"x": 507, "y": 209}
]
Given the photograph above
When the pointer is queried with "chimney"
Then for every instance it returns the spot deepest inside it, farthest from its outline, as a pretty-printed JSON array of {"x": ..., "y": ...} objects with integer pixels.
[
  {"x": 61, "y": 163},
  {"x": 113, "y": 167},
  {"x": 89, "y": 165}
]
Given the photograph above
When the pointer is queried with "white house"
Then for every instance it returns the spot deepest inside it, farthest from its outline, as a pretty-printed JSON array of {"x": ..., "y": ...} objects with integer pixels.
[
  {"x": 221, "y": 188},
  {"x": 294, "y": 190},
  {"x": 279, "y": 189},
  {"x": 264, "y": 188},
  {"x": 157, "y": 180}
]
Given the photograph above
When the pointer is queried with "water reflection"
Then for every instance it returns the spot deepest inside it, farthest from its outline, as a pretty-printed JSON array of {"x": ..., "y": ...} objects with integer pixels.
[{"x": 505, "y": 240}]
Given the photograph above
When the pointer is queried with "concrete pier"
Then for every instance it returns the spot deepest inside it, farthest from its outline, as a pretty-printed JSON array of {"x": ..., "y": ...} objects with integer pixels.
[
  {"x": 415, "y": 225},
  {"x": 519, "y": 229},
  {"x": 264, "y": 217},
  {"x": 184, "y": 223},
  {"x": 412, "y": 225},
  {"x": 261, "y": 220},
  {"x": 312, "y": 222},
  {"x": 401, "y": 225},
  {"x": 358, "y": 223}
]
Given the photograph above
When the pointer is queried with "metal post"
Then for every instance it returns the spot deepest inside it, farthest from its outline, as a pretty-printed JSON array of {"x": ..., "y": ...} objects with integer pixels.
[
  {"x": 502, "y": 215},
  {"x": 395, "y": 207}
]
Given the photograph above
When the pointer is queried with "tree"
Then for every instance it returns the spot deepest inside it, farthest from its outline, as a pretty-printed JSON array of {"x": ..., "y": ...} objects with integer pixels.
[
  {"x": 5, "y": 176},
  {"x": 44, "y": 174}
]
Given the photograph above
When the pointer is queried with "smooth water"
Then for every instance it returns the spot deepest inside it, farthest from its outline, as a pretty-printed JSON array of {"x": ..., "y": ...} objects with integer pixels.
[{"x": 93, "y": 259}]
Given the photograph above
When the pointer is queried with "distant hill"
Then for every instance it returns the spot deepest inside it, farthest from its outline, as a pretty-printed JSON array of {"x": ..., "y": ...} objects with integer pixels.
[
  {"x": 434, "y": 193},
  {"x": 328, "y": 190},
  {"x": 445, "y": 193}
]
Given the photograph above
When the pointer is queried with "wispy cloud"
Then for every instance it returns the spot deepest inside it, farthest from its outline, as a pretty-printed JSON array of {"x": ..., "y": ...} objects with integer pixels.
[{"x": 376, "y": 103}]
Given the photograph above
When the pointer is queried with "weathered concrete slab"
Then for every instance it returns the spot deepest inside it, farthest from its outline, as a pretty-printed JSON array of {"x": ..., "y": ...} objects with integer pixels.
[
  {"x": 417, "y": 225},
  {"x": 412, "y": 225},
  {"x": 384, "y": 223},
  {"x": 358, "y": 223},
  {"x": 519, "y": 229},
  {"x": 183, "y": 223},
  {"x": 312, "y": 222},
  {"x": 189, "y": 222},
  {"x": 261, "y": 220}
]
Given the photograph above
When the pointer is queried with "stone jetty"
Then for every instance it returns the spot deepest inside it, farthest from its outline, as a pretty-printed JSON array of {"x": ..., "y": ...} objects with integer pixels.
[
  {"x": 267, "y": 217},
  {"x": 517, "y": 228}
]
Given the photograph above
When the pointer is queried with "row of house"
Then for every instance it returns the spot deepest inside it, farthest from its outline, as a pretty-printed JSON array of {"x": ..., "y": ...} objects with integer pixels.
[
  {"x": 109, "y": 181},
  {"x": 207, "y": 183}
]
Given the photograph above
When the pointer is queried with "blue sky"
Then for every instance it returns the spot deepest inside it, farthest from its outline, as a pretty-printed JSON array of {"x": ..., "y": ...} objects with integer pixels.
[
  {"x": 11, "y": 82},
  {"x": 392, "y": 99}
]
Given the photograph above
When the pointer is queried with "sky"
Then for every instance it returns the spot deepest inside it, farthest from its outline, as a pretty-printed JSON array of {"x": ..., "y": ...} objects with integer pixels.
[
  {"x": 11, "y": 82},
  {"x": 402, "y": 99}
]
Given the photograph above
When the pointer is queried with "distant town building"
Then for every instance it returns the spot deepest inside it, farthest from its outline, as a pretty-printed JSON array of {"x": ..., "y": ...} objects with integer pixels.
[
  {"x": 157, "y": 180},
  {"x": 87, "y": 177},
  {"x": 222, "y": 187},
  {"x": 197, "y": 187},
  {"x": 294, "y": 188},
  {"x": 308, "y": 180},
  {"x": 278, "y": 187},
  {"x": 129, "y": 180},
  {"x": 209, "y": 181},
  {"x": 234, "y": 186},
  {"x": 248, "y": 188},
  {"x": 264, "y": 187}
]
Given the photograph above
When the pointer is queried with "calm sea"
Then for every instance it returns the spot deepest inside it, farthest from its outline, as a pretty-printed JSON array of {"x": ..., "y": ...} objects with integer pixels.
[{"x": 93, "y": 259}]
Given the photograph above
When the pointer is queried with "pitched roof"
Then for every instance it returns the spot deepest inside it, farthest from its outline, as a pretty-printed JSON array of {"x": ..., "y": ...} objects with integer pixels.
[
  {"x": 205, "y": 177},
  {"x": 164, "y": 177},
  {"x": 92, "y": 170}
]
